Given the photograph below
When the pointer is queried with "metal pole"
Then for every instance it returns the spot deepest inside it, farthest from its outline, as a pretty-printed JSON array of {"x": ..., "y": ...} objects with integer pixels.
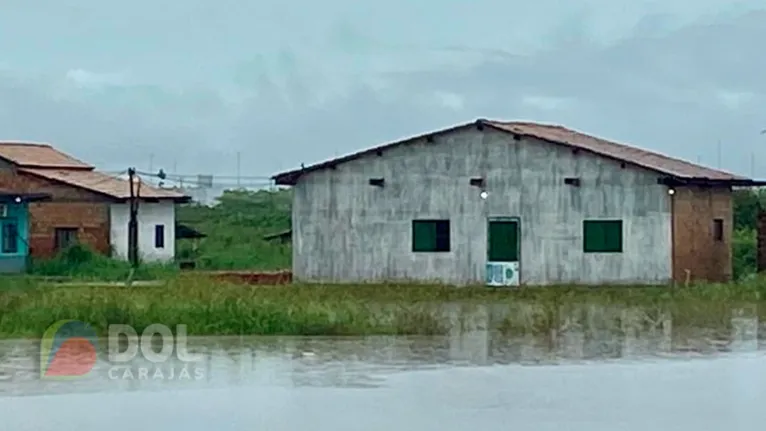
[{"x": 133, "y": 221}]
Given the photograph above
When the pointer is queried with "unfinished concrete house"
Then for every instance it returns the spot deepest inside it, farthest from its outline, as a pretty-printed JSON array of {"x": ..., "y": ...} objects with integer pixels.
[{"x": 509, "y": 203}]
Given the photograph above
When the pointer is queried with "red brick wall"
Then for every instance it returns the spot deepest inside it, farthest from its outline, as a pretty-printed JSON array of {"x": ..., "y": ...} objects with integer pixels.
[
  {"x": 694, "y": 247},
  {"x": 70, "y": 207}
]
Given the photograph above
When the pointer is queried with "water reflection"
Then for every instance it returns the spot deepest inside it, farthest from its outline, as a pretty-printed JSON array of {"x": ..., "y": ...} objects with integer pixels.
[{"x": 479, "y": 335}]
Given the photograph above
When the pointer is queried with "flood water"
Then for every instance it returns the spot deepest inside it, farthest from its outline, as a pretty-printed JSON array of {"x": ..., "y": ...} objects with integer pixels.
[{"x": 596, "y": 369}]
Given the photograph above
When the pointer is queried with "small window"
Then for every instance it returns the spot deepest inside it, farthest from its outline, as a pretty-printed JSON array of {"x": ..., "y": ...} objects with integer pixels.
[
  {"x": 65, "y": 237},
  {"x": 602, "y": 236},
  {"x": 159, "y": 236},
  {"x": 718, "y": 229},
  {"x": 10, "y": 237},
  {"x": 430, "y": 236}
]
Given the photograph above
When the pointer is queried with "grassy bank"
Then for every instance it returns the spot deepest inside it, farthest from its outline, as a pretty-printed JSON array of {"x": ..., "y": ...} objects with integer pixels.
[{"x": 210, "y": 307}]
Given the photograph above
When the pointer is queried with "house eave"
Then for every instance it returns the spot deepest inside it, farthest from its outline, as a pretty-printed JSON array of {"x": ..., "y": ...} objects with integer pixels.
[
  {"x": 10, "y": 197},
  {"x": 174, "y": 199},
  {"x": 711, "y": 182}
]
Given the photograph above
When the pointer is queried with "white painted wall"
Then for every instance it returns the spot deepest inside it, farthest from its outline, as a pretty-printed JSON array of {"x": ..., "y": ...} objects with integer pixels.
[{"x": 149, "y": 215}]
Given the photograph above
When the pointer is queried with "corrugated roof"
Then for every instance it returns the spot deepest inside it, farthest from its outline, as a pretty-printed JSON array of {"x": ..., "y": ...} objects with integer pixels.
[
  {"x": 647, "y": 159},
  {"x": 558, "y": 135},
  {"x": 38, "y": 155},
  {"x": 100, "y": 182}
]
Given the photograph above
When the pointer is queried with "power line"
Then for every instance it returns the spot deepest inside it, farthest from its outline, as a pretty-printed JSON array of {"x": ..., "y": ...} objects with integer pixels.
[
  {"x": 173, "y": 175},
  {"x": 201, "y": 181}
]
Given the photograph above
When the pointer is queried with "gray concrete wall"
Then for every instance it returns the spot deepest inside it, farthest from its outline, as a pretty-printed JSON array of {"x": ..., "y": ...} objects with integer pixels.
[{"x": 348, "y": 231}]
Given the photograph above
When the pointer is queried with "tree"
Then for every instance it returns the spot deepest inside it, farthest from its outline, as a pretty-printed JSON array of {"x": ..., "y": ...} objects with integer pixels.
[{"x": 235, "y": 227}]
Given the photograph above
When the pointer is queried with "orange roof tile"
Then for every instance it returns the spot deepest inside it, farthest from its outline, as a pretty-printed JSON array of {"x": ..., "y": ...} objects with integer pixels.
[
  {"x": 647, "y": 159},
  {"x": 38, "y": 155},
  {"x": 100, "y": 182}
]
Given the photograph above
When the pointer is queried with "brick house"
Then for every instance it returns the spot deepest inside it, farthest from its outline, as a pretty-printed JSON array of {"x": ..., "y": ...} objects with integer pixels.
[{"x": 85, "y": 205}]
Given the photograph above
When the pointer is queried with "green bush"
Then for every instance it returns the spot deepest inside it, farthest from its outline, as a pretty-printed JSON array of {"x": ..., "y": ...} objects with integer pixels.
[
  {"x": 744, "y": 254},
  {"x": 80, "y": 262},
  {"x": 746, "y": 203}
]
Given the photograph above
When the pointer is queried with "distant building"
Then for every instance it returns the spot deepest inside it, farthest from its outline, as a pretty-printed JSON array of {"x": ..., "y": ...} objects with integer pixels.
[
  {"x": 84, "y": 205},
  {"x": 203, "y": 195},
  {"x": 508, "y": 203}
]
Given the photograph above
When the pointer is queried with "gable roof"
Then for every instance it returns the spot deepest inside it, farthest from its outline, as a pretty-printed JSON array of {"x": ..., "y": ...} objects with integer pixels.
[
  {"x": 38, "y": 155},
  {"x": 44, "y": 161},
  {"x": 672, "y": 167},
  {"x": 104, "y": 184}
]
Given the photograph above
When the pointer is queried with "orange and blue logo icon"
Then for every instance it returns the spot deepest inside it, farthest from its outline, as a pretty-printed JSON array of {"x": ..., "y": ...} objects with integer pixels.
[{"x": 67, "y": 350}]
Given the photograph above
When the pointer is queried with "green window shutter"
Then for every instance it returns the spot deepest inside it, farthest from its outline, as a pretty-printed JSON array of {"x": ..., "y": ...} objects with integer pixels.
[
  {"x": 602, "y": 236},
  {"x": 423, "y": 235},
  {"x": 613, "y": 236},
  {"x": 503, "y": 241},
  {"x": 593, "y": 237}
]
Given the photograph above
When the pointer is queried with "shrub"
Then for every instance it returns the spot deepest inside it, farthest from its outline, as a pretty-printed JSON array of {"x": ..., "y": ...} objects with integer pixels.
[{"x": 81, "y": 262}]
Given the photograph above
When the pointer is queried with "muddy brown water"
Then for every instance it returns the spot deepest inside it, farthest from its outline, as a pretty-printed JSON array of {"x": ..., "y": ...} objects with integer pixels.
[{"x": 589, "y": 372}]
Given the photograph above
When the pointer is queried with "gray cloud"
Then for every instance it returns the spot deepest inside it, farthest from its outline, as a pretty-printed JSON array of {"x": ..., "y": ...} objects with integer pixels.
[{"x": 673, "y": 88}]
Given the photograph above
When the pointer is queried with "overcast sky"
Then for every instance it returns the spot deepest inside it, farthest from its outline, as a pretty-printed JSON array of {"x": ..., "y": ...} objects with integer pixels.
[{"x": 188, "y": 84}]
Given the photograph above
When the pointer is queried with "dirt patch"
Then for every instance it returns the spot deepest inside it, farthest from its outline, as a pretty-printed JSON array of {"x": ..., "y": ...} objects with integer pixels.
[{"x": 253, "y": 277}]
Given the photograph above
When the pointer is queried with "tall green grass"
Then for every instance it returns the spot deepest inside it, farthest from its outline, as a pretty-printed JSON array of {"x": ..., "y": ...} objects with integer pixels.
[
  {"x": 80, "y": 263},
  {"x": 210, "y": 307}
]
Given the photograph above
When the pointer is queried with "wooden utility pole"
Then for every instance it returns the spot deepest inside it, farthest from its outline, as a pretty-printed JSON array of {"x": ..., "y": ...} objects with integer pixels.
[{"x": 133, "y": 221}]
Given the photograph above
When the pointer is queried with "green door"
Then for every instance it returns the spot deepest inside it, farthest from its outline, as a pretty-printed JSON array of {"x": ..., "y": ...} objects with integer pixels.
[{"x": 503, "y": 252}]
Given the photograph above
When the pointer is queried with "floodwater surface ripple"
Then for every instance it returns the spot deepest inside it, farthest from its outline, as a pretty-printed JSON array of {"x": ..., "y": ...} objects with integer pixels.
[{"x": 595, "y": 368}]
